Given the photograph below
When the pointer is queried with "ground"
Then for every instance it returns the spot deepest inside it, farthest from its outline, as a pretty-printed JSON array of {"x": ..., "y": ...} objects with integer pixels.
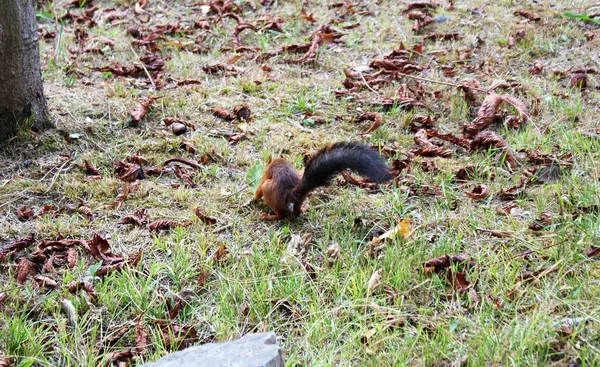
[{"x": 508, "y": 275}]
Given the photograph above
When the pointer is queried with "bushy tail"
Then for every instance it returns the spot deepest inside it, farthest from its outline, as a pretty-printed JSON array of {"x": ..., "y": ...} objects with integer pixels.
[{"x": 329, "y": 161}]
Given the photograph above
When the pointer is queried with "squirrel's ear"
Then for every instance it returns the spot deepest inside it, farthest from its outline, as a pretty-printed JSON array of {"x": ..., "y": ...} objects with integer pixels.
[{"x": 270, "y": 159}]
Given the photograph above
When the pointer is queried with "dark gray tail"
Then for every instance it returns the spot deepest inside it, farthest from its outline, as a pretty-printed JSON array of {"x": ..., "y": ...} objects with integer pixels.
[{"x": 328, "y": 162}]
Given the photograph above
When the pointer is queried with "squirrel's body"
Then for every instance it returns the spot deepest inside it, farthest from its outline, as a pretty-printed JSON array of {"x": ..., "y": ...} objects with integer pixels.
[{"x": 281, "y": 186}]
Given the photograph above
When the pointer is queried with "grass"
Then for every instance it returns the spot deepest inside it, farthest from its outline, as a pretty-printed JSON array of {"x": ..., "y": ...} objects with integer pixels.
[{"x": 322, "y": 312}]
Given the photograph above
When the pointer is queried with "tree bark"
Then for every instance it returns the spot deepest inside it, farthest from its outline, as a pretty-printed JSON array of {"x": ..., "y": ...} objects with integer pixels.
[{"x": 21, "y": 91}]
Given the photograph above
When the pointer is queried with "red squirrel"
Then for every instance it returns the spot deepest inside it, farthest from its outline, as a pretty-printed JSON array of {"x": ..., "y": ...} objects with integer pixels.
[{"x": 281, "y": 186}]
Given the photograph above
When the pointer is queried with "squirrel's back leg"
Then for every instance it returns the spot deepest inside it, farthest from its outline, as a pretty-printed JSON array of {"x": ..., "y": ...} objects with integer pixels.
[
  {"x": 258, "y": 194},
  {"x": 274, "y": 199}
]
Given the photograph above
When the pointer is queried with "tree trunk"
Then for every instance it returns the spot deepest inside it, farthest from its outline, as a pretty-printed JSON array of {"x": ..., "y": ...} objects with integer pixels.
[{"x": 22, "y": 101}]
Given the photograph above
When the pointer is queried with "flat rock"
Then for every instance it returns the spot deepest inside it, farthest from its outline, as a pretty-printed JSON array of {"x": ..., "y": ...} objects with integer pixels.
[{"x": 252, "y": 350}]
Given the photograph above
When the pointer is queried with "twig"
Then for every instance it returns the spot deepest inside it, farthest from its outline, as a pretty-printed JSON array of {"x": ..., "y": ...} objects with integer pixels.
[
  {"x": 435, "y": 81},
  {"x": 56, "y": 175},
  {"x": 143, "y": 66}
]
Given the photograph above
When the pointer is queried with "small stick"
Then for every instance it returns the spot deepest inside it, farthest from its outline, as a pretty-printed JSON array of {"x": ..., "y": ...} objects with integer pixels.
[
  {"x": 435, "y": 81},
  {"x": 143, "y": 66}
]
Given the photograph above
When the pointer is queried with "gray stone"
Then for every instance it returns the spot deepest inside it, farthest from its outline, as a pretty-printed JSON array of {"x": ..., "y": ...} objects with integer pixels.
[
  {"x": 441, "y": 19},
  {"x": 252, "y": 350}
]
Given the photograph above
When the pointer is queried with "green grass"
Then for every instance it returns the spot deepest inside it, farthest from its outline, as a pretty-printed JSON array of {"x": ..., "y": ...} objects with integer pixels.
[{"x": 321, "y": 311}]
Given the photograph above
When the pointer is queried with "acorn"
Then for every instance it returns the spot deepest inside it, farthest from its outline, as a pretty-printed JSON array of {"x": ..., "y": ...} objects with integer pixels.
[
  {"x": 242, "y": 112},
  {"x": 178, "y": 128}
]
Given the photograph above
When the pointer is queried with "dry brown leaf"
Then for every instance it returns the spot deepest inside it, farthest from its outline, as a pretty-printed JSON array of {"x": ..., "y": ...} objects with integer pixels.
[
  {"x": 221, "y": 254},
  {"x": 201, "y": 277},
  {"x": 16, "y": 246},
  {"x": 470, "y": 88},
  {"x": 176, "y": 309},
  {"x": 44, "y": 281},
  {"x": 217, "y": 68},
  {"x": 578, "y": 81},
  {"x": 418, "y": 122},
  {"x": 485, "y": 115},
  {"x": 528, "y": 15},
  {"x": 120, "y": 197},
  {"x": 209, "y": 221},
  {"x": 168, "y": 121},
  {"x": 128, "y": 172},
  {"x": 488, "y": 139},
  {"x": 450, "y": 138},
  {"x": 537, "y": 68},
  {"x": 543, "y": 221},
  {"x": 141, "y": 109},
  {"x": 141, "y": 337},
  {"x": 165, "y": 224},
  {"x": 369, "y": 116},
  {"x": 84, "y": 210},
  {"x": 444, "y": 262},
  {"x": 443, "y": 36},
  {"x": 23, "y": 213},
  {"x": 89, "y": 169},
  {"x": 593, "y": 251},
  {"x": 223, "y": 114},
  {"x": 137, "y": 218},
  {"x": 24, "y": 269},
  {"x": 77, "y": 285},
  {"x": 100, "y": 249},
  {"x": 374, "y": 282},
  {"x": 427, "y": 148},
  {"x": 307, "y": 17},
  {"x": 333, "y": 253},
  {"x": 71, "y": 257},
  {"x": 458, "y": 281},
  {"x": 479, "y": 192}
]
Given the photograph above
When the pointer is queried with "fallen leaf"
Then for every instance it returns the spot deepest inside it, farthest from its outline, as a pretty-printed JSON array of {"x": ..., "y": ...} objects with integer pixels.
[
  {"x": 444, "y": 262},
  {"x": 84, "y": 210},
  {"x": 128, "y": 172},
  {"x": 374, "y": 282},
  {"x": 537, "y": 68},
  {"x": 209, "y": 221},
  {"x": 479, "y": 192},
  {"x": 141, "y": 340},
  {"x": 443, "y": 36},
  {"x": 578, "y": 81},
  {"x": 458, "y": 281},
  {"x": 593, "y": 251},
  {"x": 138, "y": 218},
  {"x": 223, "y": 114},
  {"x": 528, "y": 15},
  {"x": 485, "y": 140},
  {"x": 369, "y": 116},
  {"x": 427, "y": 148},
  {"x": 24, "y": 269},
  {"x": 120, "y": 197},
  {"x": 217, "y": 68},
  {"x": 13, "y": 248},
  {"x": 165, "y": 224},
  {"x": 543, "y": 221},
  {"x": 23, "y": 213},
  {"x": 333, "y": 253},
  {"x": 89, "y": 169},
  {"x": 141, "y": 109}
]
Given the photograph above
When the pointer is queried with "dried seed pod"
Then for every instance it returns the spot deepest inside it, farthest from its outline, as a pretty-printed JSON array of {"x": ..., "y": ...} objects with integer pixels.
[
  {"x": 178, "y": 128},
  {"x": 242, "y": 112}
]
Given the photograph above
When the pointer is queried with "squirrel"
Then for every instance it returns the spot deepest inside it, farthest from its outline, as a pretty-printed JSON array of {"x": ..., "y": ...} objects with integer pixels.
[{"x": 281, "y": 185}]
